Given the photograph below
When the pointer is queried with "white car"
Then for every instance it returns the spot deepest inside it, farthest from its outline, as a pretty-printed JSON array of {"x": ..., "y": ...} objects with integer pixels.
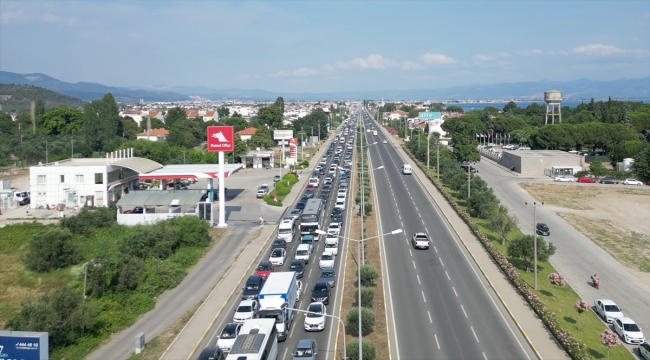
[
  {"x": 303, "y": 252},
  {"x": 228, "y": 336},
  {"x": 328, "y": 179},
  {"x": 607, "y": 309},
  {"x": 247, "y": 309},
  {"x": 632, "y": 182},
  {"x": 334, "y": 229},
  {"x": 385, "y": 142},
  {"x": 342, "y": 192},
  {"x": 315, "y": 319},
  {"x": 326, "y": 260},
  {"x": 340, "y": 197},
  {"x": 628, "y": 330},
  {"x": 563, "y": 178},
  {"x": 332, "y": 246},
  {"x": 314, "y": 181},
  {"x": 278, "y": 256},
  {"x": 340, "y": 204},
  {"x": 644, "y": 350}
]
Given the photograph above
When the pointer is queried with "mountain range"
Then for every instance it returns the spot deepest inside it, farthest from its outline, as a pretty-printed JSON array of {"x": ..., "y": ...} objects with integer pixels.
[{"x": 532, "y": 90}]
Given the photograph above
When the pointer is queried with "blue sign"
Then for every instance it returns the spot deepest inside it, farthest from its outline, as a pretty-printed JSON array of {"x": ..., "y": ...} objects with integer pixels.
[
  {"x": 430, "y": 115},
  {"x": 23, "y": 345}
]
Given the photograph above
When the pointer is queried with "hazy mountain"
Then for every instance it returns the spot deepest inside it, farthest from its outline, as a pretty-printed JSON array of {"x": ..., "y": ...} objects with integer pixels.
[
  {"x": 575, "y": 89},
  {"x": 19, "y": 97}
]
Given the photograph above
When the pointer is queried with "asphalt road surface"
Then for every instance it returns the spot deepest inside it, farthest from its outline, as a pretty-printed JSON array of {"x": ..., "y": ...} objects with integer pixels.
[
  {"x": 326, "y": 338},
  {"x": 442, "y": 308}
]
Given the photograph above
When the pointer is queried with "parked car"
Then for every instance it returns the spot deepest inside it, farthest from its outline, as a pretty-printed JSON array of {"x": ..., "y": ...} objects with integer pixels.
[
  {"x": 136, "y": 210},
  {"x": 276, "y": 178},
  {"x": 542, "y": 229},
  {"x": 607, "y": 309},
  {"x": 264, "y": 269},
  {"x": 628, "y": 330},
  {"x": 587, "y": 179},
  {"x": 632, "y": 182},
  {"x": 608, "y": 180},
  {"x": 262, "y": 190},
  {"x": 563, "y": 178}
]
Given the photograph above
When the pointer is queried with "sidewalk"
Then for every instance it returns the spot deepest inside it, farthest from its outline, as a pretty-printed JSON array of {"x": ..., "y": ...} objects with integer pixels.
[{"x": 539, "y": 339}]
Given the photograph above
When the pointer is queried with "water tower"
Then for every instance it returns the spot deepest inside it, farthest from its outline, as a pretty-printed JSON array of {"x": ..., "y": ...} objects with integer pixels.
[{"x": 553, "y": 99}]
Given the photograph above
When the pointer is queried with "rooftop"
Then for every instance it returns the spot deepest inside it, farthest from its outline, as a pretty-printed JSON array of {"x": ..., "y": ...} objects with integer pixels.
[
  {"x": 542, "y": 153},
  {"x": 155, "y": 132}
]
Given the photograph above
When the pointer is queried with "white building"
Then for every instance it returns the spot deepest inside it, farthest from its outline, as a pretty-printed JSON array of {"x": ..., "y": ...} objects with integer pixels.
[
  {"x": 136, "y": 115},
  {"x": 153, "y": 135},
  {"x": 86, "y": 182}
]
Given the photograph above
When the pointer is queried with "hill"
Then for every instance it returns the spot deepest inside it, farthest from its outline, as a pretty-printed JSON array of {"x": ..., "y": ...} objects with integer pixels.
[
  {"x": 19, "y": 97},
  {"x": 88, "y": 91}
]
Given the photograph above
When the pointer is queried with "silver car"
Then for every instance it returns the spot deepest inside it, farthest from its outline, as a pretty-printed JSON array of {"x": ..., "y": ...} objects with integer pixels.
[{"x": 306, "y": 350}]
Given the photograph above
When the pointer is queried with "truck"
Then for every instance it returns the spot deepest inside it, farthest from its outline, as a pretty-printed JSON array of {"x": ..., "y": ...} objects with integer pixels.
[
  {"x": 21, "y": 197},
  {"x": 280, "y": 288}
]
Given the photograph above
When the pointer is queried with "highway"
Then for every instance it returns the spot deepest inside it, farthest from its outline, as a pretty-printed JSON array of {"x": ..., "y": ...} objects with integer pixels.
[
  {"x": 439, "y": 305},
  {"x": 326, "y": 338}
]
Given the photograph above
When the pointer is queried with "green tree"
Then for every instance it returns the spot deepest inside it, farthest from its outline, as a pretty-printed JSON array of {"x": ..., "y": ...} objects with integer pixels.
[
  {"x": 240, "y": 149},
  {"x": 155, "y": 123},
  {"x": 368, "y": 347},
  {"x": 523, "y": 248},
  {"x": 511, "y": 108},
  {"x": 367, "y": 296},
  {"x": 271, "y": 116},
  {"x": 279, "y": 102},
  {"x": 237, "y": 122},
  {"x": 223, "y": 112},
  {"x": 100, "y": 123},
  {"x": 128, "y": 128},
  {"x": 367, "y": 320},
  {"x": 61, "y": 120},
  {"x": 262, "y": 139},
  {"x": 455, "y": 108},
  {"x": 641, "y": 165},
  {"x": 368, "y": 275},
  {"x": 39, "y": 110},
  {"x": 175, "y": 115},
  {"x": 501, "y": 223},
  {"x": 51, "y": 249},
  {"x": 465, "y": 144},
  {"x": 7, "y": 125},
  {"x": 597, "y": 169},
  {"x": 185, "y": 133}
]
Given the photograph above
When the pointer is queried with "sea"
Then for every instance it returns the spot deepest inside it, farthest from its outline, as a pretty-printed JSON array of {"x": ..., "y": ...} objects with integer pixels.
[{"x": 522, "y": 104}]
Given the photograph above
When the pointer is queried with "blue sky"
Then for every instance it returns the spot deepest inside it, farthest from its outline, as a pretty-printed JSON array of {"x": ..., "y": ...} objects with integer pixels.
[{"x": 313, "y": 46}]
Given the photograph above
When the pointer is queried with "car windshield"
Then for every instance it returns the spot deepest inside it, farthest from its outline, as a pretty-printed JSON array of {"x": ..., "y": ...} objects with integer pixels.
[
  {"x": 315, "y": 311},
  {"x": 318, "y": 289},
  {"x": 631, "y": 327},
  {"x": 252, "y": 287},
  {"x": 283, "y": 231},
  {"x": 420, "y": 237},
  {"x": 326, "y": 257},
  {"x": 302, "y": 252},
  {"x": 276, "y": 253},
  {"x": 244, "y": 308},
  {"x": 331, "y": 245},
  {"x": 264, "y": 267},
  {"x": 272, "y": 315},
  {"x": 295, "y": 267},
  {"x": 228, "y": 334},
  {"x": 612, "y": 308},
  {"x": 303, "y": 352},
  {"x": 327, "y": 274}
]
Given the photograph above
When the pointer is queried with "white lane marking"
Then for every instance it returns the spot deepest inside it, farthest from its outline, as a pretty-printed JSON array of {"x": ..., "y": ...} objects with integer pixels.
[
  {"x": 419, "y": 279},
  {"x": 485, "y": 356},
  {"x": 285, "y": 353},
  {"x": 420, "y": 215},
  {"x": 446, "y": 273},
  {"x": 423, "y": 298},
  {"x": 414, "y": 265},
  {"x": 454, "y": 290},
  {"x": 410, "y": 252},
  {"x": 429, "y": 313},
  {"x": 309, "y": 273},
  {"x": 434, "y": 248},
  {"x": 461, "y": 306},
  {"x": 441, "y": 261},
  {"x": 437, "y": 343},
  {"x": 474, "y": 332}
]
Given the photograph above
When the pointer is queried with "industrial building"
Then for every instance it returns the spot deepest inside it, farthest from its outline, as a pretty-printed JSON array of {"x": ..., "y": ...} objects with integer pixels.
[{"x": 542, "y": 162}]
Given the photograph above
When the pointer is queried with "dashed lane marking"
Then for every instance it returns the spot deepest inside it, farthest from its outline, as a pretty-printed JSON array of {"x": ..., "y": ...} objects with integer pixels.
[
  {"x": 453, "y": 288},
  {"x": 446, "y": 273},
  {"x": 474, "y": 332},
  {"x": 414, "y": 265},
  {"x": 441, "y": 262},
  {"x": 423, "y": 298},
  {"x": 485, "y": 356},
  {"x": 437, "y": 343},
  {"x": 461, "y": 306},
  {"x": 434, "y": 248},
  {"x": 419, "y": 279},
  {"x": 410, "y": 252},
  {"x": 429, "y": 313}
]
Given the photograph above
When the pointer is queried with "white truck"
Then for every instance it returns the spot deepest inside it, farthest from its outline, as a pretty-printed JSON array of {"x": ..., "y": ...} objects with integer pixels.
[
  {"x": 280, "y": 288},
  {"x": 21, "y": 197},
  {"x": 406, "y": 169},
  {"x": 286, "y": 229}
]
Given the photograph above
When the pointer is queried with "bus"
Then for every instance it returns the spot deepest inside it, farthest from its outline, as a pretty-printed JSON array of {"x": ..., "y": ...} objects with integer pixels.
[
  {"x": 311, "y": 217},
  {"x": 257, "y": 340}
]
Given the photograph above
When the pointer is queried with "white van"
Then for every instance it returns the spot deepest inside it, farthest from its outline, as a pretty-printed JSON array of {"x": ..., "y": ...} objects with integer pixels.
[
  {"x": 374, "y": 132},
  {"x": 303, "y": 252},
  {"x": 406, "y": 169},
  {"x": 286, "y": 229}
]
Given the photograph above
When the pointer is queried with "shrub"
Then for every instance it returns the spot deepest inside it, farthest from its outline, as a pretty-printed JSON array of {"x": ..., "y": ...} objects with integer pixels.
[
  {"x": 367, "y": 296},
  {"x": 368, "y": 274},
  {"x": 367, "y": 208},
  {"x": 191, "y": 230},
  {"x": 269, "y": 200},
  {"x": 51, "y": 249},
  {"x": 160, "y": 276},
  {"x": 281, "y": 189},
  {"x": 305, "y": 163},
  {"x": 87, "y": 221},
  {"x": 146, "y": 242},
  {"x": 291, "y": 178},
  {"x": 367, "y": 321},
  {"x": 369, "y": 350},
  {"x": 581, "y": 173}
]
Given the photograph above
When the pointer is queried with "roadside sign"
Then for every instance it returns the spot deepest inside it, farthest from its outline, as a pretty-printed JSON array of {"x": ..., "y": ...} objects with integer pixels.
[
  {"x": 221, "y": 138},
  {"x": 282, "y": 134},
  {"x": 429, "y": 115}
]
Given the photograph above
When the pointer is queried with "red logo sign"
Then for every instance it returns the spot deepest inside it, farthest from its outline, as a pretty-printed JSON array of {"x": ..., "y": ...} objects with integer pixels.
[{"x": 221, "y": 138}]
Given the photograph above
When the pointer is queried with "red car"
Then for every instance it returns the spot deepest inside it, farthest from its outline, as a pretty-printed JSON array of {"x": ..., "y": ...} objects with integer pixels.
[
  {"x": 309, "y": 187},
  {"x": 264, "y": 269},
  {"x": 586, "y": 179}
]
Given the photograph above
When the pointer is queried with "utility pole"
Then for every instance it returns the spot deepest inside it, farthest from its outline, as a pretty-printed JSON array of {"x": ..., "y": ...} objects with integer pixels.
[
  {"x": 361, "y": 244},
  {"x": 438, "y": 161},
  {"x": 428, "y": 145},
  {"x": 534, "y": 203},
  {"x": 469, "y": 177}
]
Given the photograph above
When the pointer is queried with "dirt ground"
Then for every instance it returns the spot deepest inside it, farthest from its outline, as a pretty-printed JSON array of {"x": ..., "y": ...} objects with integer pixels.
[{"x": 617, "y": 218}]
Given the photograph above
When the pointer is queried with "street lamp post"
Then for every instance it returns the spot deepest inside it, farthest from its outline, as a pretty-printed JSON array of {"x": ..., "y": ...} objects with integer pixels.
[
  {"x": 360, "y": 243},
  {"x": 534, "y": 204},
  {"x": 345, "y": 355},
  {"x": 438, "y": 161}
]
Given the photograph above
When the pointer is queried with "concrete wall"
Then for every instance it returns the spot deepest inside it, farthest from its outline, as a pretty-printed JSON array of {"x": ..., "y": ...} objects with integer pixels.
[
  {"x": 137, "y": 219},
  {"x": 534, "y": 162}
]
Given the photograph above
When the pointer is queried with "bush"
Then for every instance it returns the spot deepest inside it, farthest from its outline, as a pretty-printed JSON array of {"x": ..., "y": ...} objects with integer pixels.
[
  {"x": 291, "y": 178},
  {"x": 51, "y": 249},
  {"x": 367, "y": 296},
  {"x": 581, "y": 173},
  {"x": 368, "y": 274},
  {"x": 269, "y": 200},
  {"x": 367, "y": 321},
  {"x": 87, "y": 221},
  {"x": 191, "y": 230},
  {"x": 369, "y": 350},
  {"x": 281, "y": 189},
  {"x": 367, "y": 208},
  {"x": 146, "y": 242},
  {"x": 160, "y": 276},
  {"x": 305, "y": 163}
]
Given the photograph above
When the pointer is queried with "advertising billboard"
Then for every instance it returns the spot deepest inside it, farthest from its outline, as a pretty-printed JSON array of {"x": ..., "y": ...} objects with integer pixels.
[
  {"x": 293, "y": 150},
  {"x": 24, "y": 345},
  {"x": 282, "y": 134},
  {"x": 430, "y": 115},
  {"x": 221, "y": 138}
]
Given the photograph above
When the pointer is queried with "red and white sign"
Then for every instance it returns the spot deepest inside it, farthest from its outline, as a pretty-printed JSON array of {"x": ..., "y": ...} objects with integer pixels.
[{"x": 221, "y": 138}]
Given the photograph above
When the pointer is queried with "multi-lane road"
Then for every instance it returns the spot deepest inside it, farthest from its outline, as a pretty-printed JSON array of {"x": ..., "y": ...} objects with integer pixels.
[{"x": 439, "y": 305}]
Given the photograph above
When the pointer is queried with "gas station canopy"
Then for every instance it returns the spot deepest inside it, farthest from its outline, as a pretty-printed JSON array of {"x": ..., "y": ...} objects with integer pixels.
[{"x": 187, "y": 171}]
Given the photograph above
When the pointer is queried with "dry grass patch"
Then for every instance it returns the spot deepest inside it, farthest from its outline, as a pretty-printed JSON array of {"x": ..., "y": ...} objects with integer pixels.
[
  {"x": 567, "y": 196},
  {"x": 629, "y": 248}
]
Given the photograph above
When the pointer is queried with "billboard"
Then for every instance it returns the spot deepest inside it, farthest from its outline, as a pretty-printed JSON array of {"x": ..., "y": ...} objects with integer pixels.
[
  {"x": 221, "y": 138},
  {"x": 282, "y": 134},
  {"x": 24, "y": 345},
  {"x": 430, "y": 115},
  {"x": 293, "y": 150}
]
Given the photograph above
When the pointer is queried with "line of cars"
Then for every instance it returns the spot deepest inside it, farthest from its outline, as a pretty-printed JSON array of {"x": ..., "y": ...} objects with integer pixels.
[
  {"x": 593, "y": 180},
  {"x": 626, "y": 328}
]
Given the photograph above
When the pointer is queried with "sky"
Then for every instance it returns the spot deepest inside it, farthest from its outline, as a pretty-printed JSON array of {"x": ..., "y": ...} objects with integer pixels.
[{"x": 321, "y": 46}]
